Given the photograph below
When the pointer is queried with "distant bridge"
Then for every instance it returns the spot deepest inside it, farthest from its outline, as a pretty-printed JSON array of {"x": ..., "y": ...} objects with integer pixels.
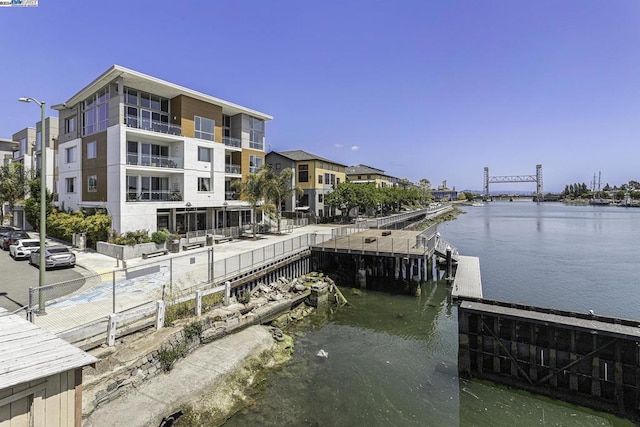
[{"x": 537, "y": 178}]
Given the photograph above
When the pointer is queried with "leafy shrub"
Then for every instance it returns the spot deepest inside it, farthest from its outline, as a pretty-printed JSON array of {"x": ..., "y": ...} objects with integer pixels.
[
  {"x": 62, "y": 225},
  {"x": 160, "y": 237},
  {"x": 131, "y": 238}
]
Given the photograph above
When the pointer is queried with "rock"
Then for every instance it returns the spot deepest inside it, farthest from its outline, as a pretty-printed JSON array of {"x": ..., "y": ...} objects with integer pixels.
[
  {"x": 300, "y": 287},
  {"x": 355, "y": 291},
  {"x": 323, "y": 353}
]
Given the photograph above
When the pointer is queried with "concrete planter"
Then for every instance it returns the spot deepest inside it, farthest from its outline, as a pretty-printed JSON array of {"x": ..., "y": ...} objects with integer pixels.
[{"x": 128, "y": 252}]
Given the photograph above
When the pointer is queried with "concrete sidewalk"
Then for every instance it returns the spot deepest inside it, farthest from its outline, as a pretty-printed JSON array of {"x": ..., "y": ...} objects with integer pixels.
[{"x": 190, "y": 378}]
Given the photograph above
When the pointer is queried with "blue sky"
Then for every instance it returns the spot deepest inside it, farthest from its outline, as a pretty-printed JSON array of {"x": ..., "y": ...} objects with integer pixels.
[{"x": 421, "y": 89}]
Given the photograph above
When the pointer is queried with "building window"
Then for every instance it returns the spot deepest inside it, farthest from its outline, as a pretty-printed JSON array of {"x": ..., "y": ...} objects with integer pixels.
[
  {"x": 92, "y": 183},
  {"x": 326, "y": 179},
  {"x": 319, "y": 179},
  {"x": 337, "y": 181},
  {"x": 277, "y": 166},
  {"x": 303, "y": 173},
  {"x": 92, "y": 150},
  {"x": 132, "y": 187},
  {"x": 95, "y": 114},
  {"x": 71, "y": 185},
  {"x": 256, "y": 133},
  {"x": 71, "y": 154},
  {"x": 70, "y": 124},
  {"x": 38, "y": 141},
  {"x": 23, "y": 146},
  {"x": 204, "y": 184},
  {"x": 255, "y": 163},
  {"x": 319, "y": 198},
  {"x": 204, "y": 154},
  {"x": 204, "y": 128}
]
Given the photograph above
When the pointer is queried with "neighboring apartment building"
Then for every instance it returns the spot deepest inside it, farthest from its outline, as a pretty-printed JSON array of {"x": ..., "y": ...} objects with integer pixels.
[
  {"x": 29, "y": 153},
  {"x": 363, "y": 174},
  {"x": 7, "y": 147},
  {"x": 315, "y": 175},
  {"x": 156, "y": 155}
]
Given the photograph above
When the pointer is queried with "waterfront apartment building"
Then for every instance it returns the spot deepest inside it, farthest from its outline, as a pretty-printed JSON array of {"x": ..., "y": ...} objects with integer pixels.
[
  {"x": 29, "y": 152},
  {"x": 363, "y": 174},
  {"x": 315, "y": 175},
  {"x": 156, "y": 155}
]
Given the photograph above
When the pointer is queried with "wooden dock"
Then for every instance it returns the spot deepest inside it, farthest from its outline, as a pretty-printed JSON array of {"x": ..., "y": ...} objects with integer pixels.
[
  {"x": 378, "y": 242},
  {"x": 467, "y": 282}
]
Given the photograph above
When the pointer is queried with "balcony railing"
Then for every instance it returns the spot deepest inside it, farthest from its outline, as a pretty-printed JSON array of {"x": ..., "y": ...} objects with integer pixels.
[
  {"x": 154, "y": 196},
  {"x": 232, "y": 142},
  {"x": 153, "y": 161},
  {"x": 231, "y": 168},
  {"x": 231, "y": 195},
  {"x": 153, "y": 125}
]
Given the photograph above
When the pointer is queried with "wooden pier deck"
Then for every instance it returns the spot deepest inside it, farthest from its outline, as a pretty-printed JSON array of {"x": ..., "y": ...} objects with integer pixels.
[
  {"x": 373, "y": 242},
  {"x": 467, "y": 282}
]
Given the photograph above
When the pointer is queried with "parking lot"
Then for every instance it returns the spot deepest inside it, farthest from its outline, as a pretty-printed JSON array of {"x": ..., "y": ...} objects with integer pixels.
[{"x": 17, "y": 276}]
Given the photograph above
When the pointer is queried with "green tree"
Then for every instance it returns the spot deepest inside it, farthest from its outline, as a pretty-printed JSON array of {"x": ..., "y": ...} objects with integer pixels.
[
  {"x": 344, "y": 197},
  {"x": 252, "y": 190},
  {"x": 32, "y": 204},
  {"x": 14, "y": 180},
  {"x": 277, "y": 188}
]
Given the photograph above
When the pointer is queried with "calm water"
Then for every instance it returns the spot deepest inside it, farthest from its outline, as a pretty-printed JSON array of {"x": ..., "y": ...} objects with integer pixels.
[{"x": 393, "y": 359}]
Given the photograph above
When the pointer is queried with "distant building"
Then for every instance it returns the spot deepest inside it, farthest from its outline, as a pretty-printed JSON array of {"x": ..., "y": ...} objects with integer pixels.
[
  {"x": 41, "y": 376},
  {"x": 29, "y": 152},
  {"x": 315, "y": 175},
  {"x": 363, "y": 174},
  {"x": 443, "y": 193}
]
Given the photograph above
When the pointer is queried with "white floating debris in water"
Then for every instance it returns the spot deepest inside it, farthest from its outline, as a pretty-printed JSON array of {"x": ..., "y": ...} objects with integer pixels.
[{"x": 323, "y": 353}]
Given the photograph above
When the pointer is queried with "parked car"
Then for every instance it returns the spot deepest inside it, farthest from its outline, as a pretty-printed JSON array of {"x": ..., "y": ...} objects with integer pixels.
[
  {"x": 6, "y": 229},
  {"x": 11, "y": 237},
  {"x": 55, "y": 256},
  {"x": 22, "y": 248}
]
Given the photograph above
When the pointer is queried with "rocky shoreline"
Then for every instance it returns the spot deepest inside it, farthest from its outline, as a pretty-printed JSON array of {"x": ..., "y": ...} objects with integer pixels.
[{"x": 210, "y": 395}]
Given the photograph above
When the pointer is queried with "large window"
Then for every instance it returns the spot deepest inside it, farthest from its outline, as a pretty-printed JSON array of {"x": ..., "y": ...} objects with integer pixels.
[
  {"x": 70, "y": 155},
  {"x": 256, "y": 133},
  {"x": 23, "y": 146},
  {"x": 204, "y": 154},
  {"x": 255, "y": 163},
  {"x": 204, "y": 184},
  {"x": 95, "y": 114},
  {"x": 92, "y": 150},
  {"x": 147, "y": 111},
  {"x": 204, "y": 128},
  {"x": 70, "y": 185},
  {"x": 303, "y": 173},
  {"x": 92, "y": 183},
  {"x": 70, "y": 124}
]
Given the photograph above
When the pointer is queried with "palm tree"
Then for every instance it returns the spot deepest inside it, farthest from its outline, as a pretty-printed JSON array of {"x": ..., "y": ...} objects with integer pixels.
[
  {"x": 252, "y": 190},
  {"x": 279, "y": 187}
]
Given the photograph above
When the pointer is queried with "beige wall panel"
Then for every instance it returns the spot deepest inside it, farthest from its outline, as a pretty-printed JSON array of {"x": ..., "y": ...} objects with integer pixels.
[
  {"x": 245, "y": 160},
  {"x": 190, "y": 107}
]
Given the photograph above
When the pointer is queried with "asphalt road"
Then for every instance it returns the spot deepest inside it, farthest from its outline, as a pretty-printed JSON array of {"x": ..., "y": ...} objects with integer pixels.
[{"x": 17, "y": 276}]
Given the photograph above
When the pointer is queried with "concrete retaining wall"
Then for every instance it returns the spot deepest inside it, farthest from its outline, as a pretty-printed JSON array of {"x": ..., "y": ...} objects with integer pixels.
[{"x": 128, "y": 252}]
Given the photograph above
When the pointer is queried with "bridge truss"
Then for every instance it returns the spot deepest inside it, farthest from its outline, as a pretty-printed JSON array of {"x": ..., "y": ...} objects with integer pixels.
[{"x": 537, "y": 178}]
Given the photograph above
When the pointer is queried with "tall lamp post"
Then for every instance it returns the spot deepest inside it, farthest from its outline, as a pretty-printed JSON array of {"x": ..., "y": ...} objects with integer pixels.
[
  {"x": 188, "y": 210},
  {"x": 43, "y": 202},
  {"x": 224, "y": 219}
]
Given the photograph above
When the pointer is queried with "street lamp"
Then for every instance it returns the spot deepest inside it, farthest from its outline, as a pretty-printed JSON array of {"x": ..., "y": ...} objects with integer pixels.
[
  {"x": 224, "y": 219},
  {"x": 188, "y": 209},
  {"x": 43, "y": 202}
]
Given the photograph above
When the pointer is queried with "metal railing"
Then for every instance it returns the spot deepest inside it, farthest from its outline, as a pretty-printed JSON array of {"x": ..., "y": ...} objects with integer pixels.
[
  {"x": 231, "y": 195},
  {"x": 153, "y": 125},
  {"x": 86, "y": 302},
  {"x": 153, "y": 161},
  {"x": 231, "y": 168},
  {"x": 154, "y": 196},
  {"x": 232, "y": 142}
]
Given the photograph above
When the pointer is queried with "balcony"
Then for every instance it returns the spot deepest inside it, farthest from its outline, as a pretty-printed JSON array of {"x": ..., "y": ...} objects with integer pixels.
[
  {"x": 154, "y": 196},
  {"x": 231, "y": 195},
  {"x": 153, "y": 125},
  {"x": 154, "y": 161},
  {"x": 232, "y": 142},
  {"x": 232, "y": 169}
]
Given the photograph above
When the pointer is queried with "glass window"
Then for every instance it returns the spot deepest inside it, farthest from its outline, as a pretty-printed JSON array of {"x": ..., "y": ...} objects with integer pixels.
[
  {"x": 92, "y": 183},
  {"x": 23, "y": 146},
  {"x": 319, "y": 179},
  {"x": 92, "y": 150},
  {"x": 255, "y": 163},
  {"x": 95, "y": 115},
  {"x": 204, "y": 154},
  {"x": 132, "y": 187},
  {"x": 319, "y": 198},
  {"x": 303, "y": 173},
  {"x": 71, "y": 155},
  {"x": 70, "y": 184},
  {"x": 256, "y": 133},
  {"x": 204, "y": 184},
  {"x": 326, "y": 178},
  {"x": 131, "y": 96},
  {"x": 70, "y": 124},
  {"x": 145, "y": 100},
  {"x": 204, "y": 128}
]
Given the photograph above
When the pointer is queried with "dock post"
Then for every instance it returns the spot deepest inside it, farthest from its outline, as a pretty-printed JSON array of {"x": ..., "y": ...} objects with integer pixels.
[
  {"x": 449, "y": 265},
  {"x": 362, "y": 273}
]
